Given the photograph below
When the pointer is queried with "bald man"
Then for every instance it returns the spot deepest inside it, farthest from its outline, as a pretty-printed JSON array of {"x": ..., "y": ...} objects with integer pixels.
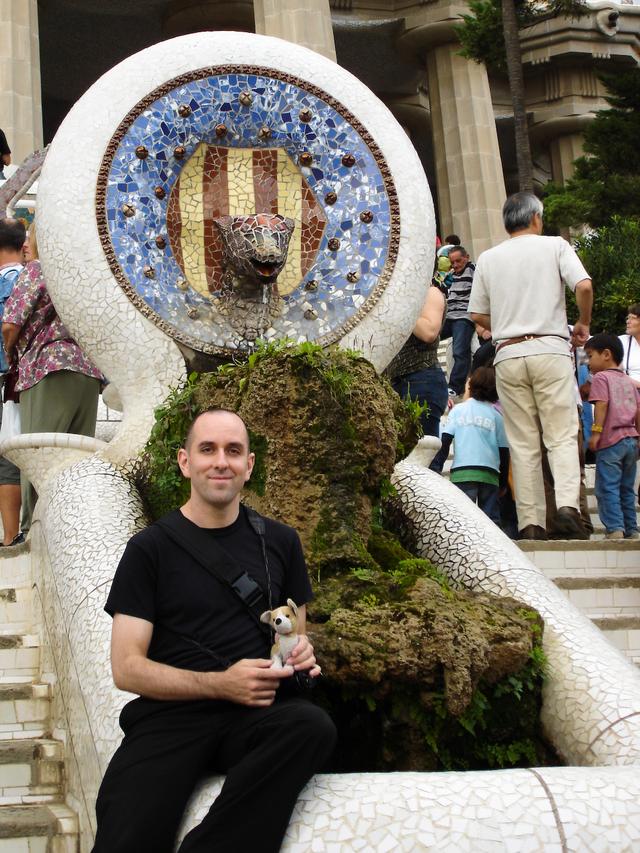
[{"x": 187, "y": 639}]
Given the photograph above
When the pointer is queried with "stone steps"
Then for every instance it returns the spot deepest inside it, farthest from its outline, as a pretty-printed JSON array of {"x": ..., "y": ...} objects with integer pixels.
[
  {"x": 33, "y": 815},
  {"x": 24, "y": 710},
  {"x": 603, "y": 597},
  {"x": 31, "y": 771},
  {"x": 602, "y": 578},
  {"x": 40, "y": 828},
  {"x": 19, "y": 655},
  {"x": 16, "y": 609}
]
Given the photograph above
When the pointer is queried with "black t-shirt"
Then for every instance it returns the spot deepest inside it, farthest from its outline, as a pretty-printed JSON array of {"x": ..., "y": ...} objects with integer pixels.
[{"x": 158, "y": 581}]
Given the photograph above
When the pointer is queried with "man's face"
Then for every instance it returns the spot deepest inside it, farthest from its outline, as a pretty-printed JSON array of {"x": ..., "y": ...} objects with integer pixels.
[
  {"x": 458, "y": 261},
  {"x": 217, "y": 459}
]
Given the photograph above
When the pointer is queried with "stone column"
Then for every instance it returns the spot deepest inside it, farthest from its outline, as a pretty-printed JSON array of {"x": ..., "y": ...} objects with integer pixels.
[
  {"x": 467, "y": 157},
  {"x": 20, "y": 95},
  {"x": 305, "y": 22},
  {"x": 563, "y": 151}
]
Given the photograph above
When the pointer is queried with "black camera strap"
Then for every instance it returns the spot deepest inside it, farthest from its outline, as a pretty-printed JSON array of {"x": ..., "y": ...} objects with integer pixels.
[{"x": 219, "y": 563}]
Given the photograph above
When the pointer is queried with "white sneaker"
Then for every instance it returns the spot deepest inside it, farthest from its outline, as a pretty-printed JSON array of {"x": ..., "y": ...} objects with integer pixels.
[{"x": 614, "y": 534}]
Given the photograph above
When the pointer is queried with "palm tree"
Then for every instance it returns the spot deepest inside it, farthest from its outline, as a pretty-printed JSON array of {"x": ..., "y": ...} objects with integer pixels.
[
  {"x": 513, "y": 57},
  {"x": 491, "y": 35}
]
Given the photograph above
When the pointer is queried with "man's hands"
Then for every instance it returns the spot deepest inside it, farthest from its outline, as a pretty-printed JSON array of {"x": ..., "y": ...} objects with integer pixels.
[
  {"x": 594, "y": 441},
  {"x": 254, "y": 682},
  {"x": 248, "y": 682},
  {"x": 580, "y": 334},
  {"x": 303, "y": 657}
]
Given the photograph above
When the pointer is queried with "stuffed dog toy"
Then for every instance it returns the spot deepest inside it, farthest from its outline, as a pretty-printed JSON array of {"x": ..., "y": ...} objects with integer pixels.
[{"x": 284, "y": 621}]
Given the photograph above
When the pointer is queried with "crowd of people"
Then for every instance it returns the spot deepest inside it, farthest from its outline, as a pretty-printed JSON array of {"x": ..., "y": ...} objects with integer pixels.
[
  {"x": 44, "y": 373},
  {"x": 537, "y": 393}
]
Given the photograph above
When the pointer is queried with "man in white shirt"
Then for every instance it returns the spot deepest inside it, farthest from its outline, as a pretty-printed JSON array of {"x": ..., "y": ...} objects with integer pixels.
[{"x": 518, "y": 293}]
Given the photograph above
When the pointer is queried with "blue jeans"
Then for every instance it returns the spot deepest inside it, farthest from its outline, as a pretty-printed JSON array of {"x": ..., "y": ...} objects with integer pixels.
[
  {"x": 426, "y": 386},
  {"x": 615, "y": 477},
  {"x": 461, "y": 333},
  {"x": 485, "y": 495}
]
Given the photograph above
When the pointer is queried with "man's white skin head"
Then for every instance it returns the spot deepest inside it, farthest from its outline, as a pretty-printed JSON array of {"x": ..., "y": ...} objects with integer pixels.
[
  {"x": 217, "y": 460},
  {"x": 12, "y": 237},
  {"x": 459, "y": 258},
  {"x": 522, "y": 213}
]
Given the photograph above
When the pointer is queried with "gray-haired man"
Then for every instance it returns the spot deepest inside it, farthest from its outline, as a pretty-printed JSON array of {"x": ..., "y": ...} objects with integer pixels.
[{"x": 518, "y": 293}]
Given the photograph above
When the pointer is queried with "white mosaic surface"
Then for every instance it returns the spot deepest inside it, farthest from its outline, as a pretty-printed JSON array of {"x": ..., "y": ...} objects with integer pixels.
[{"x": 522, "y": 811}]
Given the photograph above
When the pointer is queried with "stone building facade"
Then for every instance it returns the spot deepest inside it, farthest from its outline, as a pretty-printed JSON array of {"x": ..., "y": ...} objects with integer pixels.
[{"x": 458, "y": 116}]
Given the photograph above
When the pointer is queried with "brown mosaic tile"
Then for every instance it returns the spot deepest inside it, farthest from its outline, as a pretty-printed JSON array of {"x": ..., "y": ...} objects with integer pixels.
[
  {"x": 216, "y": 203},
  {"x": 265, "y": 180},
  {"x": 174, "y": 224}
]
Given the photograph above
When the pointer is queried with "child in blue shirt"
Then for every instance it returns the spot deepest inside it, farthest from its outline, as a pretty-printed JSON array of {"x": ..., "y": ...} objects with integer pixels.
[{"x": 480, "y": 449}]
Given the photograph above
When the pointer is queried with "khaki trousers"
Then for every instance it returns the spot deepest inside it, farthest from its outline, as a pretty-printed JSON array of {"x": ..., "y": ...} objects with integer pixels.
[
  {"x": 64, "y": 401},
  {"x": 537, "y": 393}
]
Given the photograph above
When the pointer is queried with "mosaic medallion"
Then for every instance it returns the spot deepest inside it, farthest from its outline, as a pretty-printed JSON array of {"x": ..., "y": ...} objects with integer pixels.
[{"x": 221, "y": 162}]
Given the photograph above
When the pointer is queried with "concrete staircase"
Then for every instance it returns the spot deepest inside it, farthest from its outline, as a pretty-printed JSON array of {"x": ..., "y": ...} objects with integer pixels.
[
  {"x": 33, "y": 814},
  {"x": 601, "y": 577}
]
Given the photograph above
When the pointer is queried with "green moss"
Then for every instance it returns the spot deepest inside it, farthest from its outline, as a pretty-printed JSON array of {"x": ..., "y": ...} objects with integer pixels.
[{"x": 259, "y": 446}]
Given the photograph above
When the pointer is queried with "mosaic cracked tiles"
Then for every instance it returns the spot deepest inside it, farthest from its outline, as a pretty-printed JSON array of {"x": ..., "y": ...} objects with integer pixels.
[{"x": 238, "y": 152}]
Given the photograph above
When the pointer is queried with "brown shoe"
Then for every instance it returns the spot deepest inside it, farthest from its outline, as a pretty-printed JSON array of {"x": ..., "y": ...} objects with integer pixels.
[
  {"x": 568, "y": 523},
  {"x": 532, "y": 531}
]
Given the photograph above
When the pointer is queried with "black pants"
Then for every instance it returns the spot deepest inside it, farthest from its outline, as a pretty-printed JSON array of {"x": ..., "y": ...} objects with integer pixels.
[{"x": 268, "y": 754}]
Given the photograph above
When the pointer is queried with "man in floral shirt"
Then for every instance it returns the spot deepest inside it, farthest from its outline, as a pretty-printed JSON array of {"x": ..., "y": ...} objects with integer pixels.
[{"x": 58, "y": 384}]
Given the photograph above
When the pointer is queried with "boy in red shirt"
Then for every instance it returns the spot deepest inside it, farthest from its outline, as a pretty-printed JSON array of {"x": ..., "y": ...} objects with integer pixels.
[{"x": 614, "y": 436}]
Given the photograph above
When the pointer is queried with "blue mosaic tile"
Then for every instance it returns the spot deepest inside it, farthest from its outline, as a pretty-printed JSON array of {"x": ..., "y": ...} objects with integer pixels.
[{"x": 276, "y": 103}]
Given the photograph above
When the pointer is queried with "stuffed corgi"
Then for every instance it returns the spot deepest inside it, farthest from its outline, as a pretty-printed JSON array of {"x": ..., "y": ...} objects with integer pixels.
[{"x": 284, "y": 621}]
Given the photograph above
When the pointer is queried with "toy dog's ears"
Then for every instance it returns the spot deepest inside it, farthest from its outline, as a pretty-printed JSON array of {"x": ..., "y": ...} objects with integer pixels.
[
  {"x": 266, "y": 617},
  {"x": 293, "y": 606}
]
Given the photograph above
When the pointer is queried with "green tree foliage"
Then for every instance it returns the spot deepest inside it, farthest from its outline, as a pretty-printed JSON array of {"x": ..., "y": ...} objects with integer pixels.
[
  {"x": 482, "y": 37},
  {"x": 612, "y": 257},
  {"x": 606, "y": 181},
  {"x": 481, "y": 34}
]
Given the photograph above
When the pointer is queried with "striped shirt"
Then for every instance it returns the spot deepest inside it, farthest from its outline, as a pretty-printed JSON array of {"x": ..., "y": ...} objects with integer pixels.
[{"x": 459, "y": 293}]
